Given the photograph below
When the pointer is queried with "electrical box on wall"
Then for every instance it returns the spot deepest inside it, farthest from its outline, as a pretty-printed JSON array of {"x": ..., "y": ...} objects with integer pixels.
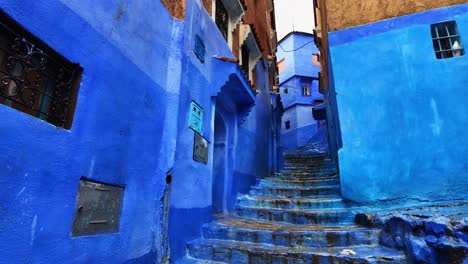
[
  {"x": 98, "y": 208},
  {"x": 195, "y": 117},
  {"x": 200, "y": 149}
]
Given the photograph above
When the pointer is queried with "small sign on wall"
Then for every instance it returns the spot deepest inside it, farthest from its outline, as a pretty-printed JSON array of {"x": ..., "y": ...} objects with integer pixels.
[
  {"x": 200, "y": 149},
  {"x": 196, "y": 117}
]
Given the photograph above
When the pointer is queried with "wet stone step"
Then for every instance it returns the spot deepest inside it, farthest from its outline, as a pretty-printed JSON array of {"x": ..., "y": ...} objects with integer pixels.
[
  {"x": 299, "y": 217},
  {"x": 296, "y": 192},
  {"x": 244, "y": 252},
  {"x": 289, "y": 235},
  {"x": 290, "y": 203}
]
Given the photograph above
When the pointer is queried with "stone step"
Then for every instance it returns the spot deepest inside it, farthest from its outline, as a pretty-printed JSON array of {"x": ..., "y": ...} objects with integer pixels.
[
  {"x": 244, "y": 252},
  {"x": 289, "y": 235},
  {"x": 306, "y": 163},
  {"x": 299, "y": 183},
  {"x": 305, "y": 175},
  {"x": 291, "y": 203},
  {"x": 300, "y": 217},
  {"x": 295, "y": 191},
  {"x": 308, "y": 159},
  {"x": 189, "y": 260},
  {"x": 309, "y": 170},
  {"x": 306, "y": 156}
]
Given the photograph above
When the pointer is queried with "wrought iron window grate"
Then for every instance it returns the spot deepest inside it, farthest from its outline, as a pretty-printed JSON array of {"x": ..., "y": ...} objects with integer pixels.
[
  {"x": 446, "y": 40},
  {"x": 34, "y": 78}
]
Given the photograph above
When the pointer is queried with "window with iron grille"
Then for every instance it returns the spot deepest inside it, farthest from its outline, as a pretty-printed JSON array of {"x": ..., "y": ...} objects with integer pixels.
[
  {"x": 446, "y": 40},
  {"x": 222, "y": 18},
  {"x": 35, "y": 79}
]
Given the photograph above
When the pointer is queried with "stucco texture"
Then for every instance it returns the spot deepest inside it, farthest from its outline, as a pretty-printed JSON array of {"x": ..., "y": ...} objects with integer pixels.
[
  {"x": 349, "y": 13},
  {"x": 403, "y": 112}
]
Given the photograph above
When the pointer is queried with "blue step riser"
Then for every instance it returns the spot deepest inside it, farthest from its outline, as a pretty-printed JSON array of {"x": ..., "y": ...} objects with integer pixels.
[
  {"x": 285, "y": 204},
  {"x": 306, "y": 239},
  {"x": 295, "y": 193},
  {"x": 244, "y": 255},
  {"x": 316, "y": 183},
  {"x": 300, "y": 218}
]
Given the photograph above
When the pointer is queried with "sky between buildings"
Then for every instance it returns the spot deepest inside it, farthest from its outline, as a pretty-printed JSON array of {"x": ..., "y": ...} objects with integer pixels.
[{"x": 294, "y": 15}]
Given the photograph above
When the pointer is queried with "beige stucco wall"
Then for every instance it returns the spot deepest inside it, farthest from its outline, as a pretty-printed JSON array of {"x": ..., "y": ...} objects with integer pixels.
[{"x": 349, "y": 13}]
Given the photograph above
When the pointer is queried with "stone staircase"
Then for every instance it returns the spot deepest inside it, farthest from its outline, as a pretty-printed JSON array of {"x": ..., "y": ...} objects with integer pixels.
[{"x": 297, "y": 216}]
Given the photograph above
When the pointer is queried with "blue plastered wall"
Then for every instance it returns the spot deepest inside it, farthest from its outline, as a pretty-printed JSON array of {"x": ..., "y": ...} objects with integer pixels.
[
  {"x": 130, "y": 128},
  {"x": 122, "y": 133},
  {"x": 249, "y": 137},
  {"x": 403, "y": 112}
]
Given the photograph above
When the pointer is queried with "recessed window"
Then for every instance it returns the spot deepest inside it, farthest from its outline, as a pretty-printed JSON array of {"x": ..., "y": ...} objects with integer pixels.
[
  {"x": 287, "y": 124},
  {"x": 199, "y": 49},
  {"x": 222, "y": 18},
  {"x": 245, "y": 58},
  {"x": 446, "y": 40},
  {"x": 285, "y": 91},
  {"x": 306, "y": 89},
  {"x": 34, "y": 78}
]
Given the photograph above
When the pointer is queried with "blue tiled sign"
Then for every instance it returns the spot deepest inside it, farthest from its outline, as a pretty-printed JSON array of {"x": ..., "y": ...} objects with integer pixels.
[{"x": 196, "y": 117}]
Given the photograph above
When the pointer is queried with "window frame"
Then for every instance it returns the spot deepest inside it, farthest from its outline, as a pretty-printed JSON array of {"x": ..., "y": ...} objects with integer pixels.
[
  {"x": 442, "y": 40},
  {"x": 45, "y": 92}
]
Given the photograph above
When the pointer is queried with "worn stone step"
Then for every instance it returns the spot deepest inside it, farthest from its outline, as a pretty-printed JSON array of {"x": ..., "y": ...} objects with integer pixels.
[
  {"x": 291, "y": 203},
  {"x": 244, "y": 252},
  {"x": 290, "y": 235},
  {"x": 295, "y": 191},
  {"x": 306, "y": 156},
  {"x": 310, "y": 166},
  {"x": 190, "y": 260},
  {"x": 299, "y": 183},
  {"x": 308, "y": 159},
  {"x": 306, "y": 163},
  {"x": 300, "y": 217},
  {"x": 305, "y": 175}
]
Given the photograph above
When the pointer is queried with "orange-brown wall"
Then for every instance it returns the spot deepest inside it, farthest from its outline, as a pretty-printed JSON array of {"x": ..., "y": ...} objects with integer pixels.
[
  {"x": 349, "y": 13},
  {"x": 176, "y": 8}
]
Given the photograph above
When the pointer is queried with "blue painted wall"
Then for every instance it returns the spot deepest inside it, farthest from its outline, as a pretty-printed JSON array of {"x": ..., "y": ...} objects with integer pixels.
[
  {"x": 403, "y": 112},
  {"x": 130, "y": 128},
  {"x": 117, "y": 137},
  {"x": 296, "y": 49}
]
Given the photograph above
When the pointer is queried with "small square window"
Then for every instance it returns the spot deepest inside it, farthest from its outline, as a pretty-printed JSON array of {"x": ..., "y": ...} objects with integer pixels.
[
  {"x": 285, "y": 91},
  {"x": 306, "y": 89},
  {"x": 446, "y": 40},
  {"x": 287, "y": 124}
]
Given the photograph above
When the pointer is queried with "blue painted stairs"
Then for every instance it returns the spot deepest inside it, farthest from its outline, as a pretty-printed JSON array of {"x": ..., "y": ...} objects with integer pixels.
[{"x": 297, "y": 216}]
